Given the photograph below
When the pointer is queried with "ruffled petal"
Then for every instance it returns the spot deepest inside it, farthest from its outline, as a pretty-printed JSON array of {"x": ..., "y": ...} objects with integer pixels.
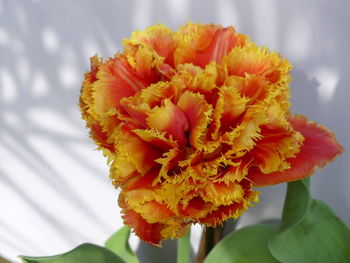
[
  {"x": 197, "y": 80},
  {"x": 222, "y": 194},
  {"x": 158, "y": 38},
  {"x": 169, "y": 118},
  {"x": 277, "y": 143},
  {"x": 319, "y": 148},
  {"x": 155, "y": 212},
  {"x": 258, "y": 61},
  {"x": 97, "y": 133},
  {"x": 148, "y": 232},
  {"x": 139, "y": 189},
  {"x": 100, "y": 137},
  {"x": 169, "y": 162},
  {"x": 196, "y": 208},
  {"x": 156, "y": 138},
  {"x": 116, "y": 80},
  {"x": 233, "y": 210},
  {"x": 200, "y": 44},
  {"x": 251, "y": 86},
  {"x": 131, "y": 149},
  {"x": 198, "y": 113},
  {"x": 139, "y": 106},
  {"x": 229, "y": 106}
]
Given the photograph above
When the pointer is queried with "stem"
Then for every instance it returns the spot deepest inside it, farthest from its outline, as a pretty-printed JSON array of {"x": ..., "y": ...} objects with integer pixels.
[
  {"x": 183, "y": 248},
  {"x": 210, "y": 237}
]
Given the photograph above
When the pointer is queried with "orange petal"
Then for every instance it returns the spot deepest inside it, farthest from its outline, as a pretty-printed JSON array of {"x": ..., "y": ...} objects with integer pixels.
[
  {"x": 150, "y": 233},
  {"x": 198, "y": 113},
  {"x": 139, "y": 188},
  {"x": 169, "y": 118},
  {"x": 169, "y": 161},
  {"x": 137, "y": 112},
  {"x": 158, "y": 38},
  {"x": 319, "y": 148},
  {"x": 99, "y": 136},
  {"x": 139, "y": 106},
  {"x": 116, "y": 80},
  {"x": 200, "y": 44},
  {"x": 229, "y": 107},
  {"x": 86, "y": 98},
  {"x": 277, "y": 143},
  {"x": 244, "y": 136},
  {"x": 224, "y": 212},
  {"x": 258, "y": 61},
  {"x": 131, "y": 149},
  {"x": 196, "y": 208},
  {"x": 141, "y": 181},
  {"x": 251, "y": 86},
  {"x": 155, "y": 212},
  {"x": 222, "y": 194},
  {"x": 97, "y": 132},
  {"x": 158, "y": 139}
]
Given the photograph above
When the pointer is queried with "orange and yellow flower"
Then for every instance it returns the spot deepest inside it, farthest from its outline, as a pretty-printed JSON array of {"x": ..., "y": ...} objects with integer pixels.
[{"x": 191, "y": 121}]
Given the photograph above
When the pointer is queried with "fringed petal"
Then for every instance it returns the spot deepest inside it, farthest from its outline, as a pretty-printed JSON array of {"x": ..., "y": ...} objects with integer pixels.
[
  {"x": 169, "y": 162},
  {"x": 200, "y": 44},
  {"x": 234, "y": 210},
  {"x": 258, "y": 61},
  {"x": 244, "y": 136},
  {"x": 197, "y": 80},
  {"x": 139, "y": 106},
  {"x": 116, "y": 80},
  {"x": 158, "y": 38},
  {"x": 275, "y": 146},
  {"x": 251, "y": 86},
  {"x": 233, "y": 106},
  {"x": 150, "y": 233},
  {"x": 319, "y": 148},
  {"x": 97, "y": 132},
  {"x": 196, "y": 208},
  {"x": 198, "y": 113},
  {"x": 222, "y": 194},
  {"x": 156, "y": 138},
  {"x": 169, "y": 118},
  {"x": 131, "y": 149},
  {"x": 100, "y": 137},
  {"x": 155, "y": 212},
  {"x": 86, "y": 96}
]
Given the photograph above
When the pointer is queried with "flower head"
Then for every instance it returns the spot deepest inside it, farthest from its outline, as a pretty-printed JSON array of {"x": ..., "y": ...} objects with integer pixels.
[{"x": 191, "y": 121}]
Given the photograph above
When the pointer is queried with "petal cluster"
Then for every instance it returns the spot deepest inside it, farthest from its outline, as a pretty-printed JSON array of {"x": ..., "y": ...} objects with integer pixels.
[{"x": 191, "y": 121}]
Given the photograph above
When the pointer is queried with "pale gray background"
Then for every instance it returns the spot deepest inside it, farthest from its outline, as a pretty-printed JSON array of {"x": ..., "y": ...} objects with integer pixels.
[{"x": 54, "y": 188}]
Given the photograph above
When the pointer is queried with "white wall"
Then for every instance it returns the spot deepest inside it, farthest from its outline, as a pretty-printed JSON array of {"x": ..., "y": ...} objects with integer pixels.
[{"x": 54, "y": 188}]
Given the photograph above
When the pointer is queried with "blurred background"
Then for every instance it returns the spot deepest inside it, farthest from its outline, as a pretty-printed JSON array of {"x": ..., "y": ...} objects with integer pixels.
[{"x": 55, "y": 192}]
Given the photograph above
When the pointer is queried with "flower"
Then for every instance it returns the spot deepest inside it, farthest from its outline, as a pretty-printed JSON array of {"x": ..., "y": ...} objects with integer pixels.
[{"x": 191, "y": 121}]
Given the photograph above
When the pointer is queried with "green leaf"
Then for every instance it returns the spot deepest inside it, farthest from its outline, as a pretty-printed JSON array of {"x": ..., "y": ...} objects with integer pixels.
[
  {"x": 119, "y": 244},
  {"x": 183, "y": 248},
  {"x": 320, "y": 237},
  {"x": 4, "y": 260},
  {"x": 87, "y": 253},
  {"x": 246, "y": 245},
  {"x": 296, "y": 204},
  {"x": 310, "y": 231}
]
